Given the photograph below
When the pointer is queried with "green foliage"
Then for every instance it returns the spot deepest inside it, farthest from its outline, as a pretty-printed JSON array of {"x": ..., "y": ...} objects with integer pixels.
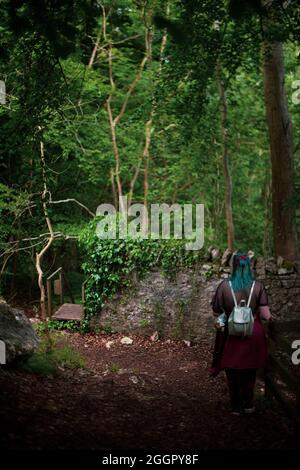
[
  {"x": 12, "y": 205},
  {"x": 111, "y": 264},
  {"x": 40, "y": 364},
  {"x": 60, "y": 325},
  {"x": 159, "y": 317},
  {"x": 45, "y": 50},
  {"x": 144, "y": 323},
  {"x": 105, "y": 329},
  {"x": 114, "y": 367},
  {"x": 46, "y": 363}
]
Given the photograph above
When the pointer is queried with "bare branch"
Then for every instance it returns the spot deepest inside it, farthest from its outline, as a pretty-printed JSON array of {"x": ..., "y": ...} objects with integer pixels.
[
  {"x": 39, "y": 255},
  {"x": 96, "y": 46},
  {"x": 13, "y": 249},
  {"x": 116, "y": 151},
  {"x": 113, "y": 187},
  {"x": 133, "y": 181},
  {"x": 110, "y": 68},
  {"x": 62, "y": 201},
  {"x": 130, "y": 90}
]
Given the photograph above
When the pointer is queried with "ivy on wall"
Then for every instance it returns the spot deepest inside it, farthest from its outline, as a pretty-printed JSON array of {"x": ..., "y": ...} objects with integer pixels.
[{"x": 110, "y": 264}]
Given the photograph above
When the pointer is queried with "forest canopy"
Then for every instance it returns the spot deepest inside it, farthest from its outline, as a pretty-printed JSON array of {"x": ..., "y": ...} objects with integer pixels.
[{"x": 159, "y": 101}]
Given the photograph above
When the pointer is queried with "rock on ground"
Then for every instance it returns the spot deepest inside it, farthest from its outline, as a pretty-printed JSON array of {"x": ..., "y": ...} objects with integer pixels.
[{"x": 17, "y": 333}]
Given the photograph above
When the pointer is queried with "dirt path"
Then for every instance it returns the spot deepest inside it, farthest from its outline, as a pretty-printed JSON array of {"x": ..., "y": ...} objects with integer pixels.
[{"x": 143, "y": 396}]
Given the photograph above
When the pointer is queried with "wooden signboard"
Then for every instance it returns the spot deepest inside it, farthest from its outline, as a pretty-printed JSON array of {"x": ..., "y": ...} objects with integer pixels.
[{"x": 57, "y": 287}]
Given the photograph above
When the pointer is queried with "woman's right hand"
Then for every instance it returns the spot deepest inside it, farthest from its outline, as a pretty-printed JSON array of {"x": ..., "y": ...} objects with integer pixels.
[{"x": 218, "y": 326}]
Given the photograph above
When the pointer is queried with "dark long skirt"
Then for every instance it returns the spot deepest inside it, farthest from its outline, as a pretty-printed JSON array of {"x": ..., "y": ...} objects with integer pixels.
[
  {"x": 233, "y": 352},
  {"x": 246, "y": 353}
]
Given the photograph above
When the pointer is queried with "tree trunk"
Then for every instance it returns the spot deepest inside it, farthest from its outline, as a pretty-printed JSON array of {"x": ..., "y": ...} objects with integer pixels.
[
  {"x": 39, "y": 255},
  {"x": 225, "y": 157},
  {"x": 266, "y": 242},
  {"x": 146, "y": 156},
  {"x": 113, "y": 188},
  {"x": 281, "y": 149}
]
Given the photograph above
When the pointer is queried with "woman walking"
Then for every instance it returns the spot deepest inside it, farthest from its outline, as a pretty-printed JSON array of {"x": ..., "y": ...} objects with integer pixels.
[{"x": 241, "y": 356}]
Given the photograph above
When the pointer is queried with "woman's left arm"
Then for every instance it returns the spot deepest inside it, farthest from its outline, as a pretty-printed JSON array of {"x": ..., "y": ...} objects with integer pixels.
[
  {"x": 217, "y": 300},
  {"x": 264, "y": 310}
]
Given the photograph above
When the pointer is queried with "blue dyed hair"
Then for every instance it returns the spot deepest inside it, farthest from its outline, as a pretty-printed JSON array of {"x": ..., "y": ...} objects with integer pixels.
[{"x": 242, "y": 276}]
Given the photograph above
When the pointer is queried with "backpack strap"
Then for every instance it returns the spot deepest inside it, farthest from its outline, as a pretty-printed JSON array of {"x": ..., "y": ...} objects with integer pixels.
[
  {"x": 249, "y": 300},
  {"x": 233, "y": 295},
  {"x": 234, "y": 298}
]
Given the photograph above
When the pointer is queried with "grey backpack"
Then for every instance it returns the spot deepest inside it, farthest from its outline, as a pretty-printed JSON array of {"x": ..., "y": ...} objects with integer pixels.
[{"x": 241, "y": 321}]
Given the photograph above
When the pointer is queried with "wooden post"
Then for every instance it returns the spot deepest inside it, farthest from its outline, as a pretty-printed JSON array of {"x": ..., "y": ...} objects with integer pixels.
[
  {"x": 83, "y": 298},
  {"x": 49, "y": 298},
  {"x": 83, "y": 293},
  {"x": 61, "y": 288}
]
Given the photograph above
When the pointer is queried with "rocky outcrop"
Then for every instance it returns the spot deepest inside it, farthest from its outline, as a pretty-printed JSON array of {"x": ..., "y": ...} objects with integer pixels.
[
  {"x": 16, "y": 333},
  {"x": 181, "y": 307}
]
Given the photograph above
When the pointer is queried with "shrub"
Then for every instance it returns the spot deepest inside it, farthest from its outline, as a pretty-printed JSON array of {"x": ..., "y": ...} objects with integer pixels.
[{"x": 44, "y": 362}]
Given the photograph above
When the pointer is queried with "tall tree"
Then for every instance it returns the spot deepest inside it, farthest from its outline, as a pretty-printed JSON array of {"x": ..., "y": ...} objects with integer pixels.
[
  {"x": 273, "y": 20},
  {"x": 225, "y": 159},
  {"x": 256, "y": 23},
  {"x": 281, "y": 151}
]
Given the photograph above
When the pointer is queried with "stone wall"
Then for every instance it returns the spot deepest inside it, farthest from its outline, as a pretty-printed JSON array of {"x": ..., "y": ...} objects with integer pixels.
[
  {"x": 181, "y": 307},
  {"x": 283, "y": 288}
]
